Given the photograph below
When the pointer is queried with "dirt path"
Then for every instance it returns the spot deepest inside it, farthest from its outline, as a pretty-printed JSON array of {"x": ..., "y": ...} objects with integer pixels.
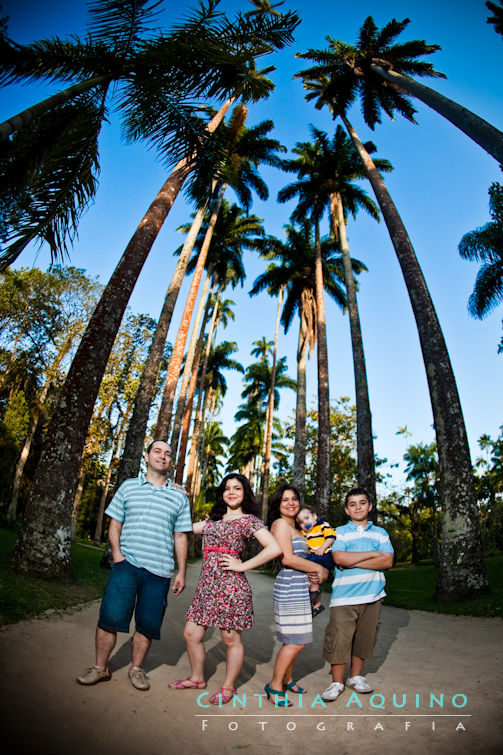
[{"x": 455, "y": 659}]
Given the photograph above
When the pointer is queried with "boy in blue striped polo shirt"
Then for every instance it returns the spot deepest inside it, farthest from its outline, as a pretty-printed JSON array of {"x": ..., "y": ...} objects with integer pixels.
[
  {"x": 361, "y": 552},
  {"x": 149, "y": 522}
]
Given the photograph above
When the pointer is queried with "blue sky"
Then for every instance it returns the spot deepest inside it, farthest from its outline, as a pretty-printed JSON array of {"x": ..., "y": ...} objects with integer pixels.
[{"x": 439, "y": 184}]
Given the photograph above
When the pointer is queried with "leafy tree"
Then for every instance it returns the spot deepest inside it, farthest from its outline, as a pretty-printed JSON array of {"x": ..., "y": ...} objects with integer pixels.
[
  {"x": 42, "y": 316},
  {"x": 489, "y": 483}
]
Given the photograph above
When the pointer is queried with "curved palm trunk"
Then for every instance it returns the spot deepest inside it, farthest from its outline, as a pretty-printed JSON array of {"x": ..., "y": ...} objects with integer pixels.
[
  {"x": 25, "y": 117},
  {"x": 299, "y": 452},
  {"x": 43, "y": 546},
  {"x": 323, "y": 460},
  {"x": 486, "y": 136},
  {"x": 164, "y": 418},
  {"x": 264, "y": 483},
  {"x": 197, "y": 421},
  {"x": 196, "y": 335},
  {"x": 135, "y": 437},
  {"x": 461, "y": 571},
  {"x": 364, "y": 438},
  {"x": 182, "y": 451}
]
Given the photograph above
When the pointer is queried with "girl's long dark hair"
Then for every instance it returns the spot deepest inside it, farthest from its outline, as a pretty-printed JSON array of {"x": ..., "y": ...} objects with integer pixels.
[
  {"x": 275, "y": 502},
  {"x": 249, "y": 505}
]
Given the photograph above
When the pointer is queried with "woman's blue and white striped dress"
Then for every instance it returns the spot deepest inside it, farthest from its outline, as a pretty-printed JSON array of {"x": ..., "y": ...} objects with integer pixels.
[{"x": 292, "y": 607}]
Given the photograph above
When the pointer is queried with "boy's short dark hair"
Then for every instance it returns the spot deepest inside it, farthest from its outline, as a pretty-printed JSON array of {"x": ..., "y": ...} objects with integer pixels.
[{"x": 357, "y": 491}]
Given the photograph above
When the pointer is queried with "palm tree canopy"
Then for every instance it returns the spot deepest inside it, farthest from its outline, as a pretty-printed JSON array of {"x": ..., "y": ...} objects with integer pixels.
[
  {"x": 234, "y": 156},
  {"x": 345, "y": 71},
  {"x": 233, "y": 233},
  {"x": 218, "y": 360},
  {"x": 486, "y": 245},
  {"x": 163, "y": 84},
  {"x": 325, "y": 167},
  {"x": 258, "y": 379},
  {"x": 296, "y": 269}
]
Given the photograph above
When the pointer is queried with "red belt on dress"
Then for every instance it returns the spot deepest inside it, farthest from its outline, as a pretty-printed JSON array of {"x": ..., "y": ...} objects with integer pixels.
[{"x": 212, "y": 548}]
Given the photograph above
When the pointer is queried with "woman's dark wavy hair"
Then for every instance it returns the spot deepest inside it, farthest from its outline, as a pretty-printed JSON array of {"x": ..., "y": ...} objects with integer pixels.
[
  {"x": 275, "y": 502},
  {"x": 249, "y": 505}
]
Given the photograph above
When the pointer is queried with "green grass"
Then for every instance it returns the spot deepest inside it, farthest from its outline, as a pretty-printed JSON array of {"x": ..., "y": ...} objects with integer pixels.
[
  {"x": 23, "y": 597},
  {"x": 413, "y": 587},
  {"x": 410, "y": 587}
]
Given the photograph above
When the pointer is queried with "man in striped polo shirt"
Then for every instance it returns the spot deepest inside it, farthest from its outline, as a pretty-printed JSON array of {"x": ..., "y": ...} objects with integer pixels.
[
  {"x": 150, "y": 518},
  {"x": 361, "y": 551}
]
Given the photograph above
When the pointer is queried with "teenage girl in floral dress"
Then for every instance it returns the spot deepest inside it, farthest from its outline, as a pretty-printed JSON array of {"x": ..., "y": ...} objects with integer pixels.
[{"x": 223, "y": 596}]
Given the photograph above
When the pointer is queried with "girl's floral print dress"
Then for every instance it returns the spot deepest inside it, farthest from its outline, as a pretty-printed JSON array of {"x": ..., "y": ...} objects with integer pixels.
[{"x": 223, "y": 598}]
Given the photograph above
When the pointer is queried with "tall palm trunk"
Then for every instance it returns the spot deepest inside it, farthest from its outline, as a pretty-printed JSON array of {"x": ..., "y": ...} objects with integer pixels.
[
  {"x": 266, "y": 464},
  {"x": 196, "y": 335},
  {"x": 486, "y": 136},
  {"x": 25, "y": 117},
  {"x": 164, "y": 418},
  {"x": 364, "y": 438},
  {"x": 197, "y": 421},
  {"x": 135, "y": 437},
  {"x": 43, "y": 546},
  {"x": 461, "y": 571},
  {"x": 299, "y": 452},
  {"x": 182, "y": 451},
  {"x": 323, "y": 460}
]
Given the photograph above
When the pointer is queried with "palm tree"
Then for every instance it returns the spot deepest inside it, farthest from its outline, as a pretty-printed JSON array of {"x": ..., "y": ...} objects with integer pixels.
[
  {"x": 263, "y": 379},
  {"x": 222, "y": 312},
  {"x": 340, "y": 165},
  {"x": 461, "y": 542},
  {"x": 486, "y": 245},
  {"x": 159, "y": 83},
  {"x": 43, "y": 546},
  {"x": 215, "y": 386},
  {"x": 378, "y": 70},
  {"x": 296, "y": 270},
  {"x": 244, "y": 150}
]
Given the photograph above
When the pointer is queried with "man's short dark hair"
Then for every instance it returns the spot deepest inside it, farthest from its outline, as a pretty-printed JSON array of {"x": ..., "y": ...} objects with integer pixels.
[
  {"x": 156, "y": 440},
  {"x": 358, "y": 491}
]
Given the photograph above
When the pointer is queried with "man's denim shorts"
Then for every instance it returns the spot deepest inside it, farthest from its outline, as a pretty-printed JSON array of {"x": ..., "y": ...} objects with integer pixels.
[{"x": 126, "y": 585}]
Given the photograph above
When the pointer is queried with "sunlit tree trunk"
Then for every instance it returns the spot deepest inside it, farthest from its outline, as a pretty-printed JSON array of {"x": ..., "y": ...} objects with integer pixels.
[
  {"x": 164, "y": 418},
  {"x": 299, "y": 453},
  {"x": 197, "y": 421},
  {"x": 197, "y": 333},
  {"x": 323, "y": 458},
  {"x": 135, "y": 438},
  {"x": 264, "y": 485}
]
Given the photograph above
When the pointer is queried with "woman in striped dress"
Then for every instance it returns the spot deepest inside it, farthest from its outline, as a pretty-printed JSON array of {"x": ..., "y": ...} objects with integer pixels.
[{"x": 292, "y": 607}]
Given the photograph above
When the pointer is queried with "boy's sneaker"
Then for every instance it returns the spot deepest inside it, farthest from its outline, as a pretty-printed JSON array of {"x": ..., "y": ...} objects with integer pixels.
[
  {"x": 332, "y": 692},
  {"x": 359, "y": 684},
  {"x": 93, "y": 675},
  {"x": 138, "y": 678}
]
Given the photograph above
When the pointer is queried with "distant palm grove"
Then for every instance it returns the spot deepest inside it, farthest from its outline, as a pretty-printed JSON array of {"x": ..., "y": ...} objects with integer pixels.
[{"x": 85, "y": 380}]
